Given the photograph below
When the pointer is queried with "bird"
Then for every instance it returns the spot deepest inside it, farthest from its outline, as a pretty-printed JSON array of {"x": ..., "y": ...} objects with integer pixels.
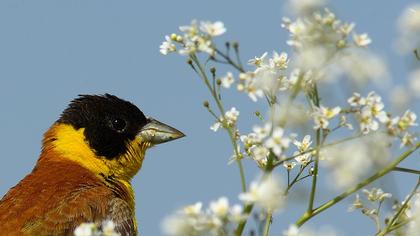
[{"x": 84, "y": 171}]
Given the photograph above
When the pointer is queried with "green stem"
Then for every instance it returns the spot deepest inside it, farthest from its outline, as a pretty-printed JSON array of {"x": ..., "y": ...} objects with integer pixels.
[
  {"x": 318, "y": 147},
  {"x": 267, "y": 224},
  {"x": 296, "y": 179},
  {"x": 230, "y": 61},
  {"x": 406, "y": 170},
  {"x": 241, "y": 226},
  {"x": 313, "y": 149},
  {"x": 315, "y": 173},
  {"x": 400, "y": 211},
  {"x": 231, "y": 133},
  {"x": 306, "y": 216}
]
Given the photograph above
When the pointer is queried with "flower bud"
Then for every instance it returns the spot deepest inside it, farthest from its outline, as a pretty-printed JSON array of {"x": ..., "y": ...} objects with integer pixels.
[{"x": 206, "y": 104}]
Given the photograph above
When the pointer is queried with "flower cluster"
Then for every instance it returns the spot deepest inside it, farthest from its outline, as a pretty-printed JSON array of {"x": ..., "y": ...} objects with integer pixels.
[
  {"x": 268, "y": 193},
  {"x": 228, "y": 120},
  {"x": 268, "y": 77},
  {"x": 219, "y": 217},
  {"x": 197, "y": 37},
  {"x": 263, "y": 140},
  {"x": 324, "y": 49},
  {"x": 375, "y": 197},
  {"x": 193, "y": 220},
  {"x": 294, "y": 85},
  {"x": 331, "y": 32},
  {"x": 107, "y": 228},
  {"x": 322, "y": 115},
  {"x": 369, "y": 111}
]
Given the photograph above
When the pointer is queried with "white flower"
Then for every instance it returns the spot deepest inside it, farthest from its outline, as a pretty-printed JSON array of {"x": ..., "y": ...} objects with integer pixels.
[
  {"x": 371, "y": 110},
  {"x": 304, "y": 145},
  {"x": 293, "y": 230},
  {"x": 190, "y": 30},
  {"x": 194, "y": 209},
  {"x": 205, "y": 45},
  {"x": 215, "y": 126},
  {"x": 247, "y": 85},
  {"x": 188, "y": 48},
  {"x": 236, "y": 214},
  {"x": 357, "y": 204},
  {"x": 289, "y": 165},
  {"x": 259, "y": 154},
  {"x": 268, "y": 194},
  {"x": 407, "y": 139},
  {"x": 250, "y": 140},
  {"x": 85, "y": 229},
  {"x": 177, "y": 225},
  {"x": 227, "y": 80},
  {"x": 361, "y": 40},
  {"x": 213, "y": 28},
  {"x": 276, "y": 142},
  {"x": 356, "y": 100},
  {"x": 303, "y": 159},
  {"x": 367, "y": 123},
  {"x": 344, "y": 123},
  {"x": 346, "y": 28},
  {"x": 232, "y": 116},
  {"x": 193, "y": 221},
  {"x": 408, "y": 119},
  {"x": 229, "y": 119},
  {"x": 279, "y": 61},
  {"x": 322, "y": 115},
  {"x": 376, "y": 194},
  {"x": 167, "y": 46},
  {"x": 220, "y": 207},
  {"x": 374, "y": 102},
  {"x": 108, "y": 228},
  {"x": 269, "y": 80},
  {"x": 262, "y": 132},
  {"x": 258, "y": 61}
]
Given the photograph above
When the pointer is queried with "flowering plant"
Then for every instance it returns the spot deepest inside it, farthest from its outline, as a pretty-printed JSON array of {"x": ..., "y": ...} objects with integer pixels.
[
  {"x": 306, "y": 131},
  {"x": 304, "y": 134}
]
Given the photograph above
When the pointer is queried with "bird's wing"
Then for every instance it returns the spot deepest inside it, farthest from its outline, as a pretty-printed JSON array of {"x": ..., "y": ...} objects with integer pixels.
[
  {"x": 56, "y": 203},
  {"x": 86, "y": 204},
  {"x": 123, "y": 217}
]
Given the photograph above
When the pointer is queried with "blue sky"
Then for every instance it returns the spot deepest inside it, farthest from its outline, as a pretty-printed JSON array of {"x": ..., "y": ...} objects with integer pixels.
[{"x": 51, "y": 51}]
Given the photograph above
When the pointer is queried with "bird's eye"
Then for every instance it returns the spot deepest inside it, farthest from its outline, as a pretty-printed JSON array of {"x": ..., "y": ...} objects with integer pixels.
[{"x": 118, "y": 124}]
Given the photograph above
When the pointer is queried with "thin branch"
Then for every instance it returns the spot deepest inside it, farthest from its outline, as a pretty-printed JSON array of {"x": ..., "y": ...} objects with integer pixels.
[
  {"x": 406, "y": 170},
  {"x": 305, "y": 217}
]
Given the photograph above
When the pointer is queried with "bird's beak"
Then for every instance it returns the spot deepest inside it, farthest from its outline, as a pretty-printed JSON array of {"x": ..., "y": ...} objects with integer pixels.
[{"x": 157, "y": 132}]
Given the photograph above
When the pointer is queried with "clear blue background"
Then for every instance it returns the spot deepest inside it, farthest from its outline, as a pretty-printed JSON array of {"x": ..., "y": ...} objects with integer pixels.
[{"x": 50, "y": 51}]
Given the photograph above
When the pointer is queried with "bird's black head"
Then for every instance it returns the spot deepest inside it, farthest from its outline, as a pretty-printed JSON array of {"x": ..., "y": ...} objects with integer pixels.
[{"x": 109, "y": 122}]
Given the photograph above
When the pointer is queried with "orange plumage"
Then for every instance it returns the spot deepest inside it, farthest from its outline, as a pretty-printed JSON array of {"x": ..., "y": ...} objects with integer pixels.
[{"x": 79, "y": 177}]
